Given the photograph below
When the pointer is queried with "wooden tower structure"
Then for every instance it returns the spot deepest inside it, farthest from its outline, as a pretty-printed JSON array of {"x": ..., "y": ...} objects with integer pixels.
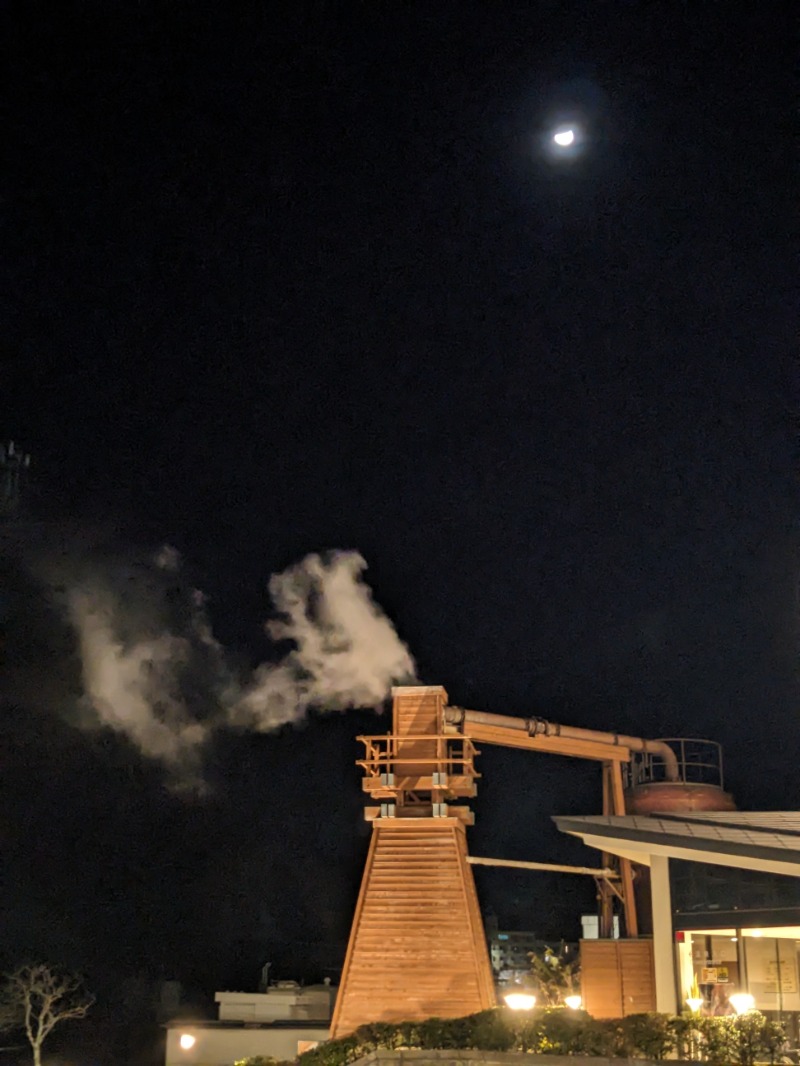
[{"x": 417, "y": 946}]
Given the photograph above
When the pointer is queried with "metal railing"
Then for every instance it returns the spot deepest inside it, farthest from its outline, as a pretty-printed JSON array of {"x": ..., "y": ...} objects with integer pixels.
[
  {"x": 442, "y": 753},
  {"x": 699, "y": 763}
]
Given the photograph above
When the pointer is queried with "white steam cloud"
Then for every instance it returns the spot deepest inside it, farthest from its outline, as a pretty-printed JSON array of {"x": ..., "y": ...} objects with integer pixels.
[
  {"x": 347, "y": 653},
  {"x": 166, "y": 685},
  {"x": 134, "y": 689}
]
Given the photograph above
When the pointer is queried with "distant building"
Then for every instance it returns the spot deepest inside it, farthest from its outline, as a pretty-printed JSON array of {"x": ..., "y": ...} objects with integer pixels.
[
  {"x": 281, "y": 1022},
  {"x": 510, "y": 952},
  {"x": 590, "y": 924}
]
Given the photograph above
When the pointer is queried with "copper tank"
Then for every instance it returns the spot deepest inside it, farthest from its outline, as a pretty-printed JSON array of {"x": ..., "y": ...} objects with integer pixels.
[{"x": 700, "y": 785}]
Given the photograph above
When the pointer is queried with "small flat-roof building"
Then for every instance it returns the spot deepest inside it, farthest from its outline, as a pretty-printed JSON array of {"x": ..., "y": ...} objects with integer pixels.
[
  {"x": 725, "y": 899},
  {"x": 279, "y": 1023}
]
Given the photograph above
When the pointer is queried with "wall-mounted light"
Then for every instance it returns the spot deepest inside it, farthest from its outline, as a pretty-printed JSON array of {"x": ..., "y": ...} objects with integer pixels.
[
  {"x": 187, "y": 1041},
  {"x": 694, "y": 1003}
]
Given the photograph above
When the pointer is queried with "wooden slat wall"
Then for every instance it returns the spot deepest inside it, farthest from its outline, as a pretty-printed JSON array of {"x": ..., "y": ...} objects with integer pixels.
[
  {"x": 417, "y": 946},
  {"x": 638, "y": 976},
  {"x": 617, "y": 977},
  {"x": 415, "y": 711}
]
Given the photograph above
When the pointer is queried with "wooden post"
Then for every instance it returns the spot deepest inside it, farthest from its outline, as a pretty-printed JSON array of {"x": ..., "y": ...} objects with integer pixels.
[
  {"x": 605, "y": 895},
  {"x": 625, "y": 868}
]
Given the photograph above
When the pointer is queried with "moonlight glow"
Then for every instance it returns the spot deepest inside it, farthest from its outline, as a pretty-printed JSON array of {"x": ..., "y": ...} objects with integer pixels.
[{"x": 564, "y": 138}]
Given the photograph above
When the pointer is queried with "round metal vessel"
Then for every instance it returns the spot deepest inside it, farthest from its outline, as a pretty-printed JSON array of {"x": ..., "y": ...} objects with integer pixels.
[
  {"x": 668, "y": 797},
  {"x": 700, "y": 784}
]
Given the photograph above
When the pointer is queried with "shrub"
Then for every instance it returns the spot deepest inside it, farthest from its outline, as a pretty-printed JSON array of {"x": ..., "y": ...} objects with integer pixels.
[
  {"x": 554, "y": 976},
  {"x": 443, "y": 1033},
  {"x": 557, "y": 1031},
  {"x": 489, "y": 1032},
  {"x": 378, "y": 1035},
  {"x": 261, "y": 1060},
  {"x": 554, "y": 1031},
  {"x": 686, "y": 1029},
  {"x": 334, "y": 1053},
  {"x": 751, "y": 1037},
  {"x": 652, "y": 1035}
]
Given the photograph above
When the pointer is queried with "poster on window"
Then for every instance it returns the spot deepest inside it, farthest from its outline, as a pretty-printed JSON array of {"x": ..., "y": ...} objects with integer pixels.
[{"x": 784, "y": 972}]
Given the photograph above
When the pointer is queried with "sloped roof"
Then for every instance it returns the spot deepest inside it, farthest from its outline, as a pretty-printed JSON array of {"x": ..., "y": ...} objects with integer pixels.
[{"x": 769, "y": 835}]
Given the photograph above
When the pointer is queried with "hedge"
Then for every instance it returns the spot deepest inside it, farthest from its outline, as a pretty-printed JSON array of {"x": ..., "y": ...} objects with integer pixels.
[{"x": 742, "y": 1040}]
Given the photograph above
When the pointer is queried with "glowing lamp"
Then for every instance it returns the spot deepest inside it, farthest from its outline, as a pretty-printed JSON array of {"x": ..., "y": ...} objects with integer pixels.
[
  {"x": 742, "y": 1002},
  {"x": 573, "y": 1002},
  {"x": 694, "y": 1003},
  {"x": 520, "y": 1000},
  {"x": 187, "y": 1041}
]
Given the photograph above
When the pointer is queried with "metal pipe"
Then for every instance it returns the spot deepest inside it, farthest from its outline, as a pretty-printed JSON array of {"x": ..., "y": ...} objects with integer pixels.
[{"x": 459, "y": 716}]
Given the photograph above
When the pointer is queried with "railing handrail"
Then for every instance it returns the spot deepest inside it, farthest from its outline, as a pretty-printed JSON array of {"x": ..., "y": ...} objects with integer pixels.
[{"x": 696, "y": 757}]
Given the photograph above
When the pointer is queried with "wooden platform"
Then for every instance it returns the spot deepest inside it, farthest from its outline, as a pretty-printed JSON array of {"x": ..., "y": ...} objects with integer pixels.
[{"x": 417, "y": 948}]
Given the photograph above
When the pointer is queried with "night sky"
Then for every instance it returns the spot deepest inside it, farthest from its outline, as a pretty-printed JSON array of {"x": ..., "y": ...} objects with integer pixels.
[{"x": 287, "y": 279}]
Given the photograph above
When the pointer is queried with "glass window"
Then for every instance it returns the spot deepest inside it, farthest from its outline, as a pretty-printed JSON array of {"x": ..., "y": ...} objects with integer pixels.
[
  {"x": 731, "y": 897},
  {"x": 719, "y": 962}
]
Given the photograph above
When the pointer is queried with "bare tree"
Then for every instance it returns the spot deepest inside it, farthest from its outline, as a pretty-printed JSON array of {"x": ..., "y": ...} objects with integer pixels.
[{"x": 37, "y": 998}]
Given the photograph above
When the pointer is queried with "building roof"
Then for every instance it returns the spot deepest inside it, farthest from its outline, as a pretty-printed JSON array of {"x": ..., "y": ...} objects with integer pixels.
[{"x": 769, "y": 840}]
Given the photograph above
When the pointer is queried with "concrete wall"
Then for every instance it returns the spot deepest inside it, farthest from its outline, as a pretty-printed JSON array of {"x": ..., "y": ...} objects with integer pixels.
[
  {"x": 314, "y": 1003},
  {"x": 219, "y": 1046}
]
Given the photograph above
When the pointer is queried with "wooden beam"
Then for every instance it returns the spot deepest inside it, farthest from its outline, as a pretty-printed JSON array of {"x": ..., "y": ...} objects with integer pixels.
[
  {"x": 515, "y": 864},
  {"x": 580, "y": 749}
]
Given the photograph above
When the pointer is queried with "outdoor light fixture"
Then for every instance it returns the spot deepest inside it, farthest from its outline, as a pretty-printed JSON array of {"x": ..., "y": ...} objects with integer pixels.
[
  {"x": 187, "y": 1041},
  {"x": 573, "y": 1002},
  {"x": 756, "y": 932},
  {"x": 520, "y": 1000},
  {"x": 742, "y": 1002}
]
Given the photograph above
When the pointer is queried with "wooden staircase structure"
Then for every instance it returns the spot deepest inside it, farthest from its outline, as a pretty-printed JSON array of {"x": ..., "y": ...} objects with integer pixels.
[{"x": 417, "y": 946}]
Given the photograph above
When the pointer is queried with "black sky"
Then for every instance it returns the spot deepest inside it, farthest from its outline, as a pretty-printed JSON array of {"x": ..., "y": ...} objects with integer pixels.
[{"x": 286, "y": 281}]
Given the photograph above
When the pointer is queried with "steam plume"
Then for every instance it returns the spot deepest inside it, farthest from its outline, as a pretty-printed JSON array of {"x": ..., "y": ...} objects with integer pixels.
[
  {"x": 134, "y": 689},
  {"x": 346, "y": 654},
  {"x": 164, "y": 681}
]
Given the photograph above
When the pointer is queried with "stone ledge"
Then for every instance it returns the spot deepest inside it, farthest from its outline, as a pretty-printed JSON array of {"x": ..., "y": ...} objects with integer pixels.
[{"x": 470, "y": 1057}]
